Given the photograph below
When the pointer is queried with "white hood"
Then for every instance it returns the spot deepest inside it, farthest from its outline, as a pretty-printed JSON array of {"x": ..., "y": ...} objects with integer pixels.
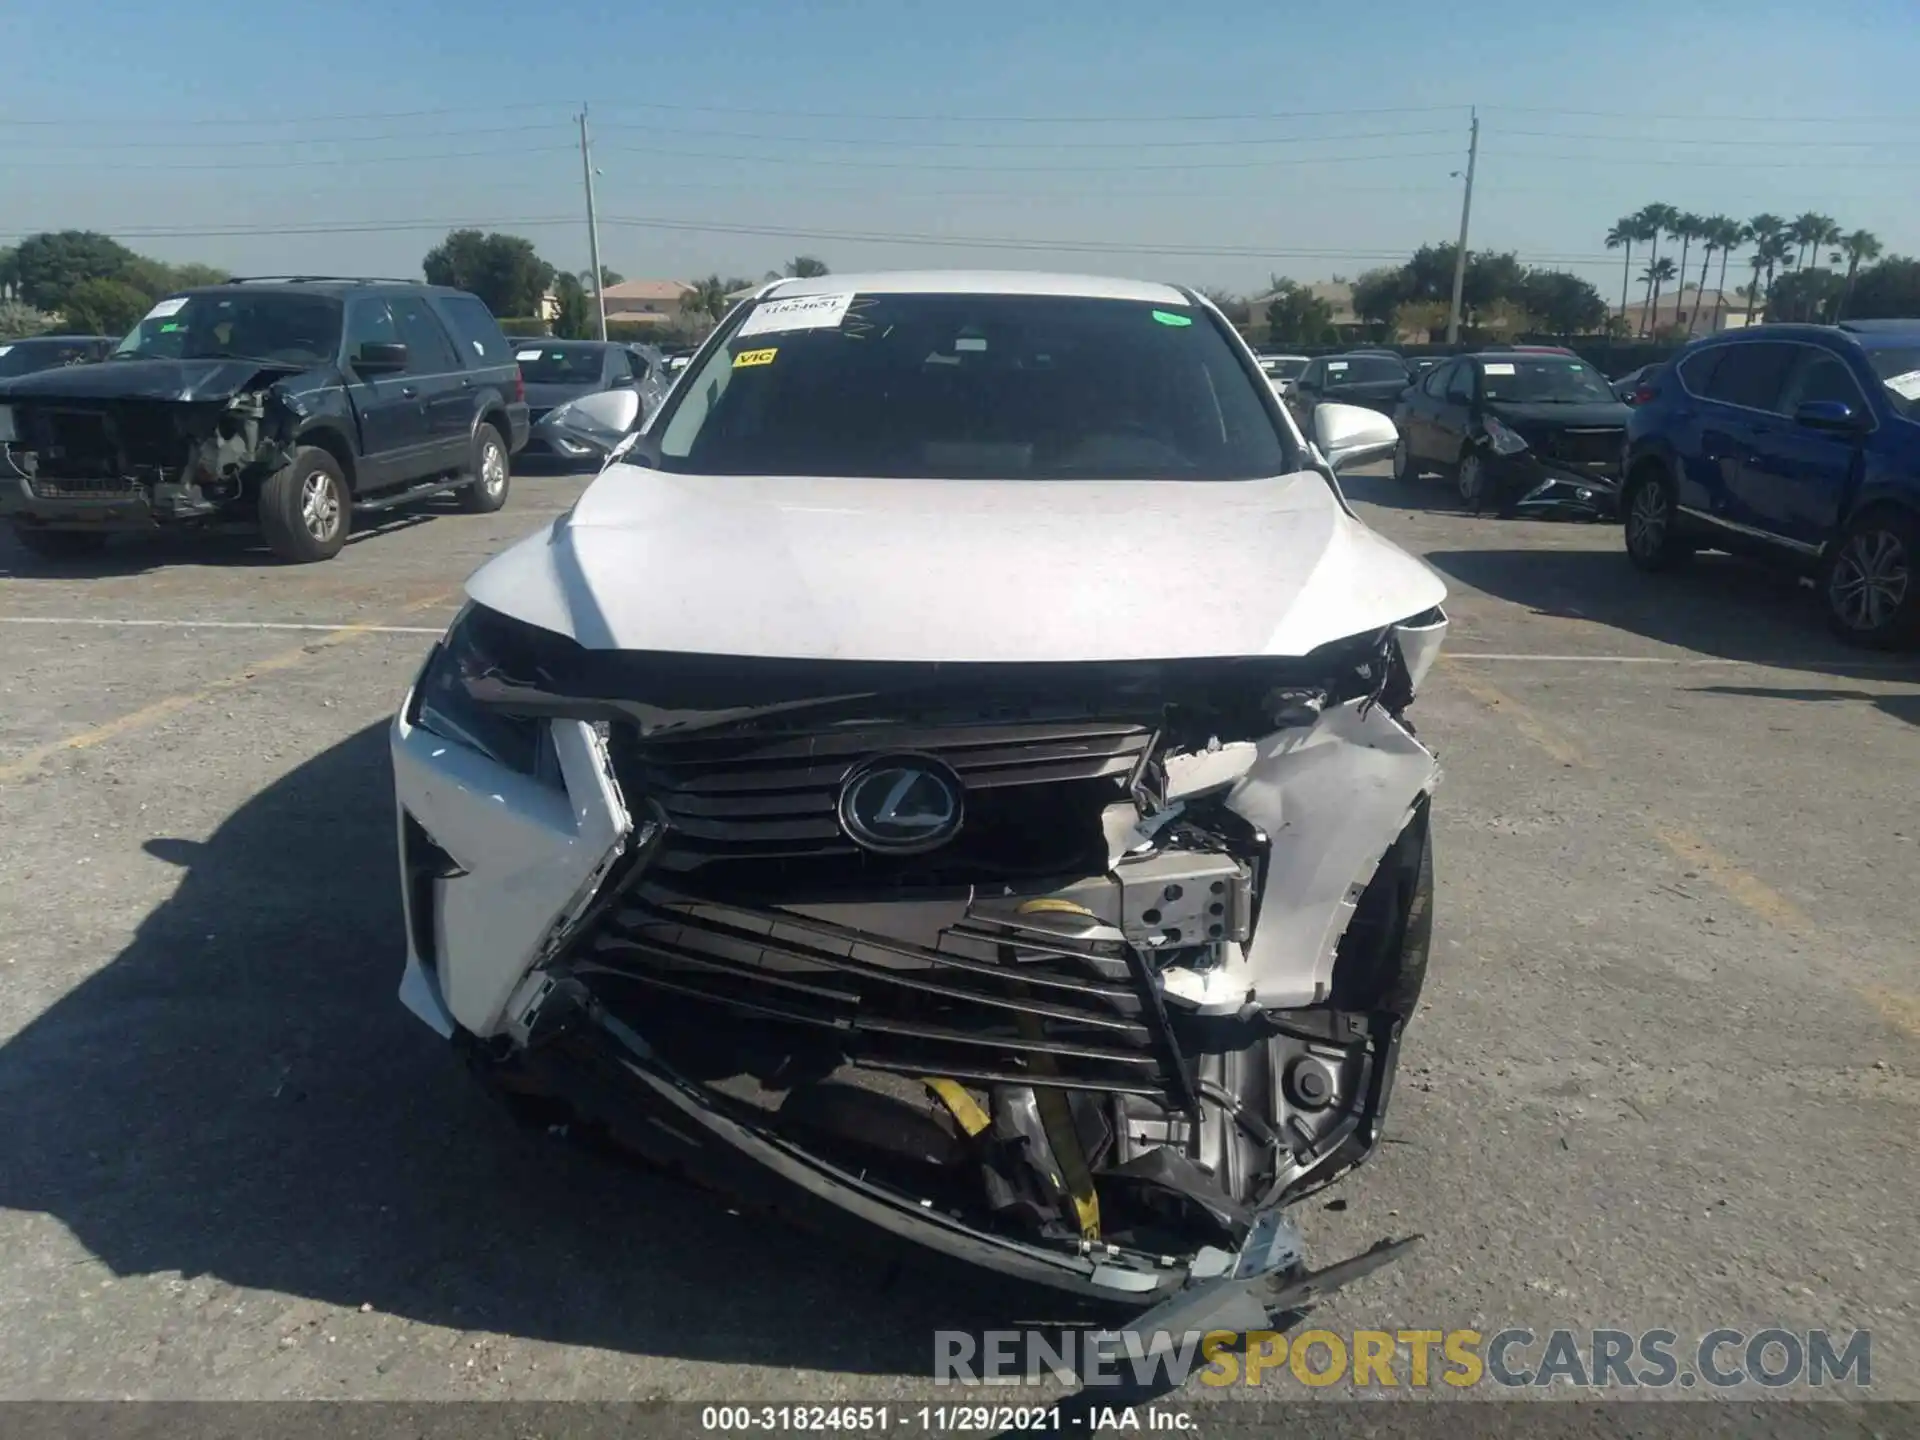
[{"x": 956, "y": 570}]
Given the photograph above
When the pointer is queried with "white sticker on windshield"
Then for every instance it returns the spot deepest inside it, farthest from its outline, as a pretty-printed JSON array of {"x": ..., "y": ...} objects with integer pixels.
[
  {"x": 168, "y": 307},
  {"x": 1906, "y": 386},
  {"x": 970, "y": 342},
  {"x": 803, "y": 312},
  {"x": 526, "y": 355},
  {"x": 1499, "y": 367},
  {"x": 480, "y": 349}
]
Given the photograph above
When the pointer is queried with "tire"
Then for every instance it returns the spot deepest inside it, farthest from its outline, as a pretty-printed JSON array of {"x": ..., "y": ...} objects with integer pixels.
[
  {"x": 491, "y": 476},
  {"x": 1381, "y": 963},
  {"x": 1405, "y": 468},
  {"x": 305, "y": 508},
  {"x": 59, "y": 544},
  {"x": 1650, "y": 521},
  {"x": 1470, "y": 479},
  {"x": 1870, "y": 584}
]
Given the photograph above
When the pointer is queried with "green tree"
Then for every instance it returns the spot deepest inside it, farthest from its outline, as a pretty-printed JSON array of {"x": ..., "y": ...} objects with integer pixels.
[
  {"x": 1565, "y": 304},
  {"x": 1236, "y": 308},
  {"x": 1653, "y": 221},
  {"x": 1728, "y": 235},
  {"x": 17, "y": 321},
  {"x": 1378, "y": 293},
  {"x": 1887, "y": 290},
  {"x": 48, "y": 266},
  {"x": 1803, "y": 294},
  {"x": 806, "y": 267},
  {"x": 1621, "y": 237},
  {"x": 505, "y": 271},
  {"x": 574, "y": 319},
  {"x": 1296, "y": 316},
  {"x": 1657, "y": 273},
  {"x": 1862, "y": 247},
  {"x": 105, "y": 307},
  {"x": 1810, "y": 233},
  {"x": 1686, "y": 229},
  {"x": 9, "y": 272}
]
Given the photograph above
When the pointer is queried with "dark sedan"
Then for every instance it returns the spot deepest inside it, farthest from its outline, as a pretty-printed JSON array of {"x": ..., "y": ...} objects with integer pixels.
[
  {"x": 49, "y": 352},
  {"x": 559, "y": 371},
  {"x": 1518, "y": 432},
  {"x": 1374, "y": 379}
]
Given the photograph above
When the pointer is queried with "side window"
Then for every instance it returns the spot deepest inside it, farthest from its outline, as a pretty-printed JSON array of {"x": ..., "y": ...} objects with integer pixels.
[
  {"x": 1310, "y": 377},
  {"x": 1696, "y": 371},
  {"x": 369, "y": 323},
  {"x": 1460, "y": 385},
  {"x": 619, "y": 367},
  {"x": 429, "y": 352},
  {"x": 1436, "y": 383},
  {"x": 641, "y": 369},
  {"x": 1752, "y": 375},
  {"x": 1822, "y": 375},
  {"x": 476, "y": 333}
]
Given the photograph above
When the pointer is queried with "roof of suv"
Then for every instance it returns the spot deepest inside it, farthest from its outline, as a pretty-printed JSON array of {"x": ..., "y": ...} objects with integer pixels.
[{"x": 979, "y": 282}]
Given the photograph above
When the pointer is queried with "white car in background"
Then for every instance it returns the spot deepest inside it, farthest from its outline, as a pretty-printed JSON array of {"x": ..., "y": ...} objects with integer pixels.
[
  {"x": 949, "y": 772},
  {"x": 1282, "y": 370}
]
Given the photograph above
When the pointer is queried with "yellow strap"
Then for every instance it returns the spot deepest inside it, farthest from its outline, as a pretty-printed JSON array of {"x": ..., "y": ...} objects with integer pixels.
[{"x": 965, "y": 1108}]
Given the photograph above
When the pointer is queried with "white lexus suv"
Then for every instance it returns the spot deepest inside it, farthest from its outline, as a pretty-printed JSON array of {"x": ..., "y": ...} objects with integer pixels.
[{"x": 950, "y": 771}]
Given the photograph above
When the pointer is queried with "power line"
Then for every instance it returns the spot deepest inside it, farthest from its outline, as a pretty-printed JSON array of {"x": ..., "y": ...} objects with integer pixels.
[
  {"x": 252, "y": 121},
  {"x": 1776, "y": 118},
  {"x": 1718, "y": 163},
  {"x": 1662, "y": 140},
  {"x": 303, "y": 140},
  {"x": 1022, "y": 144},
  {"x": 1127, "y": 169},
  {"x": 300, "y": 164}
]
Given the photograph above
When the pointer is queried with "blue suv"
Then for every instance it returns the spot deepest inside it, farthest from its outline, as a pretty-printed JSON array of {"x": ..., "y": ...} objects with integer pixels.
[{"x": 1793, "y": 443}]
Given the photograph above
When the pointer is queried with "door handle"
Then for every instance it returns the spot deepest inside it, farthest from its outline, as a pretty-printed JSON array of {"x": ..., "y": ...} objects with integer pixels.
[{"x": 408, "y": 392}]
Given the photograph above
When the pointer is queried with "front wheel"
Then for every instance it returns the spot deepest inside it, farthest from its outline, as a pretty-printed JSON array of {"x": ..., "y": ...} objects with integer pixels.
[
  {"x": 1653, "y": 538},
  {"x": 1470, "y": 478},
  {"x": 1404, "y": 466},
  {"x": 1871, "y": 594},
  {"x": 305, "y": 510},
  {"x": 488, "y": 492}
]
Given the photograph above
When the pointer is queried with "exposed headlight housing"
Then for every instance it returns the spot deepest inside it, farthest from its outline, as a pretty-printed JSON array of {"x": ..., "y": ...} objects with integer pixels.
[
  {"x": 1503, "y": 439},
  {"x": 444, "y": 704}
]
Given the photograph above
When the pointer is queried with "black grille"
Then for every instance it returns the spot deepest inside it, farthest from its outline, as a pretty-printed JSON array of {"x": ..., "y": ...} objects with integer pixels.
[
  {"x": 1034, "y": 792},
  {"x": 988, "y": 1005},
  {"x": 90, "y": 488},
  {"x": 1597, "y": 448}
]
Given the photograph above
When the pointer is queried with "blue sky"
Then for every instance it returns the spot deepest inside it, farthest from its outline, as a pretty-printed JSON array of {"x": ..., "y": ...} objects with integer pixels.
[{"x": 1214, "y": 144}]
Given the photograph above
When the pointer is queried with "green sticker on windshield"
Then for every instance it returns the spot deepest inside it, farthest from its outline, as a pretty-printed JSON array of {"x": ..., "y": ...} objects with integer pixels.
[
  {"x": 1167, "y": 317},
  {"x": 169, "y": 328}
]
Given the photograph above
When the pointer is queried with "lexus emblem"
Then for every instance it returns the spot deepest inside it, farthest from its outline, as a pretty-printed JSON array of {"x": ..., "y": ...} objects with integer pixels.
[{"x": 901, "y": 805}]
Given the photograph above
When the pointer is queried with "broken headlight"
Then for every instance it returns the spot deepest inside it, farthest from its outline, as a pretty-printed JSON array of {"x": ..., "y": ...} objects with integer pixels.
[{"x": 443, "y": 701}]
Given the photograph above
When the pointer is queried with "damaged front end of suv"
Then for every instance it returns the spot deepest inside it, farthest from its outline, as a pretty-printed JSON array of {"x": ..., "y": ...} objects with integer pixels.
[{"x": 1080, "y": 971}]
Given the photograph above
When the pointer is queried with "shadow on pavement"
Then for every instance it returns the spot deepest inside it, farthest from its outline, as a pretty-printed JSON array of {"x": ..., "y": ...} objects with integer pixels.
[
  {"x": 1720, "y": 606},
  {"x": 1900, "y": 707},
  {"x": 240, "y": 1094},
  {"x": 139, "y": 552}
]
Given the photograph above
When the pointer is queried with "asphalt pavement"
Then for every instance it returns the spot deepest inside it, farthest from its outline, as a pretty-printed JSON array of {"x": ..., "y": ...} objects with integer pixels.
[{"x": 1667, "y": 1074}]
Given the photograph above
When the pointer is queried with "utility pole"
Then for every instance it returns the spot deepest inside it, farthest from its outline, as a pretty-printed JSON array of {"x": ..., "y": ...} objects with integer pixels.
[
  {"x": 593, "y": 224},
  {"x": 1460, "y": 255}
]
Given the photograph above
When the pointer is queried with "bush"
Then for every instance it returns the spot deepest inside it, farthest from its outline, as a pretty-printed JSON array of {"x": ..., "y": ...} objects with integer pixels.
[
  {"x": 637, "y": 332},
  {"x": 18, "y": 321},
  {"x": 525, "y": 325}
]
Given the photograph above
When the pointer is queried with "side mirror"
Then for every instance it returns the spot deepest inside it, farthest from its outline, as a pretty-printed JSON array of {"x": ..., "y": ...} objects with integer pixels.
[
  {"x": 380, "y": 357},
  {"x": 1349, "y": 435},
  {"x": 1834, "y": 415}
]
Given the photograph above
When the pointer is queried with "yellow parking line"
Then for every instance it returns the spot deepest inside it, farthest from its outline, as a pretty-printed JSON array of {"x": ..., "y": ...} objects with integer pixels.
[
  {"x": 1746, "y": 889},
  {"x": 159, "y": 710},
  {"x": 1749, "y": 890},
  {"x": 1522, "y": 719}
]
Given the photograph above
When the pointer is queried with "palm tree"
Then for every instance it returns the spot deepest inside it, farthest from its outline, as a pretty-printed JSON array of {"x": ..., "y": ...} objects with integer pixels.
[
  {"x": 1778, "y": 249},
  {"x": 1861, "y": 247},
  {"x": 1708, "y": 229},
  {"x": 1684, "y": 227},
  {"x": 708, "y": 297},
  {"x": 1652, "y": 220},
  {"x": 1758, "y": 260},
  {"x": 1730, "y": 234},
  {"x": 1624, "y": 232},
  {"x": 1809, "y": 233},
  {"x": 806, "y": 267},
  {"x": 1657, "y": 274}
]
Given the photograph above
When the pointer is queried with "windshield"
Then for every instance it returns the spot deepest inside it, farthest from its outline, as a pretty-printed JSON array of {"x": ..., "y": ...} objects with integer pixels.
[
  {"x": 1898, "y": 367},
  {"x": 950, "y": 386},
  {"x": 1365, "y": 370},
  {"x": 1283, "y": 367},
  {"x": 560, "y": 364},
  {"x": 228, "y": 324},
  {"x": 23, "y": 357},
  {"x": 1544, "y": 381}
]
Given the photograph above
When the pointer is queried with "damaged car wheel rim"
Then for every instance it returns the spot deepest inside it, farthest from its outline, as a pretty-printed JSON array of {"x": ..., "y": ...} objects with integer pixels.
[
  {"x": 320, "y": 506},
  {"x": 1870, "y": 580}
]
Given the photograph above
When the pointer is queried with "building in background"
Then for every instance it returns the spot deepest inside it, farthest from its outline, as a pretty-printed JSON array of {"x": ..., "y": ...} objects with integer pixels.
[{"x": 647, "y": 302}]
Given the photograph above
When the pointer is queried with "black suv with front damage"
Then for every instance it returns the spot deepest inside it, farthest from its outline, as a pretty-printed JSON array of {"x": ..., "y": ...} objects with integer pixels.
[{"x": 280, "y": 406}]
